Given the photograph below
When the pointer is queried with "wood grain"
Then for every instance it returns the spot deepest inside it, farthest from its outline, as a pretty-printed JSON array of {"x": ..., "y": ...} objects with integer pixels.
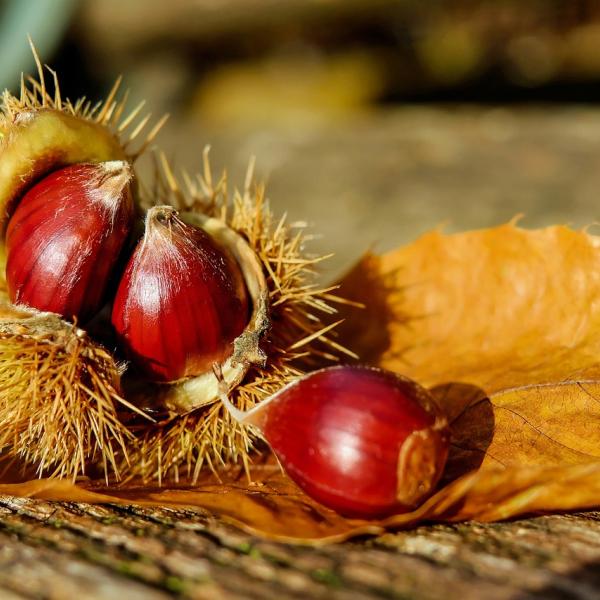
[{"x": 62, "y": 550}]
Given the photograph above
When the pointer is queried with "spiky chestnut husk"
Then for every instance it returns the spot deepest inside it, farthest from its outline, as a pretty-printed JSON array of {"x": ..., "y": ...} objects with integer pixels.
[
  {"x": 39, "y": 133},
  {"x": 60, "y": 397},
  {"x": 301, "y": 337}
]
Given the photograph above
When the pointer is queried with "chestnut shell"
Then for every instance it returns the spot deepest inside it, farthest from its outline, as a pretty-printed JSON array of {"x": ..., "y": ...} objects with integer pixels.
[
  {"x": 181, "y": 301},
  {"x": 65, "y": 238},
  {"x": 363, "y": 441}
]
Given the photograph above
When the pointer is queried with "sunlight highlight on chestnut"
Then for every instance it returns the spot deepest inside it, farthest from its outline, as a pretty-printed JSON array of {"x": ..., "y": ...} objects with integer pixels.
[
  {"x": 65, "y": 238},
  {"x": 362, "y": 441},
  {"x": 181, "y": 302}
]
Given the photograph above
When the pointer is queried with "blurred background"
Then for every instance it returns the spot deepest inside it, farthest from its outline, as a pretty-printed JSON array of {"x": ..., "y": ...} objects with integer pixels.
[{"x": 373, "y": 120}]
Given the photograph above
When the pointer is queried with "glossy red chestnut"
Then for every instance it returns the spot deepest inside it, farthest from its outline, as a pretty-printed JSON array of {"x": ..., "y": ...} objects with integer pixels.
[
  {"x": 181, "y": 302},
  {"x": 65, "y": 237},
  {"x": 362, "y": 441}
]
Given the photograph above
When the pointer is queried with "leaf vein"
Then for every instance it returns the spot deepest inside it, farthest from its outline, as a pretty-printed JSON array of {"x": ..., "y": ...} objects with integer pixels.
[{"x": 544, "y": 434}]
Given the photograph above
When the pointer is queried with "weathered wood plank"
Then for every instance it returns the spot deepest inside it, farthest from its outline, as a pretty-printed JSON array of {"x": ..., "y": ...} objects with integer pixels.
[{"x": 62, "y": 550}]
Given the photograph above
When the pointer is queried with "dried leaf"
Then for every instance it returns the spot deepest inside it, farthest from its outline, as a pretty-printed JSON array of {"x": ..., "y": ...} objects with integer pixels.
[
  {"x": 273, "y": 507},
  {"x": 504, "y": 326},
  {"x": 496, "y": 308}
]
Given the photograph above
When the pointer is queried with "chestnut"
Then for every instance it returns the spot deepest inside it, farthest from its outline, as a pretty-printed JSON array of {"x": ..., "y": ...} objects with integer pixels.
[
  {"x": 181, "y": 302},
  {"x": 362, "y": 441},
  {"x": 65, "y": 237}
]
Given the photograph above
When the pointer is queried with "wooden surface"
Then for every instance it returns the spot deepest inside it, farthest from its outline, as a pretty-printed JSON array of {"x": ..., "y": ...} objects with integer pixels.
[
  {"x": 50, "y": 550},
  {"x": 381, "y": 179}
]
